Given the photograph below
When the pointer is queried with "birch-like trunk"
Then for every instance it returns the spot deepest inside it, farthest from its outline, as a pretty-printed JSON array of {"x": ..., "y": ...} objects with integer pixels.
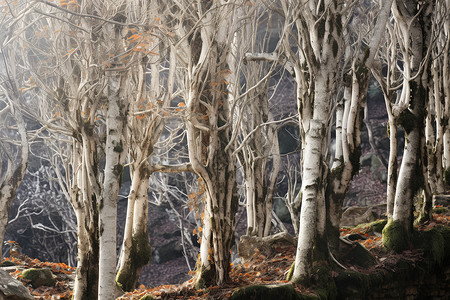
[
  {"x": 392, "y": 177},
  {"x": 413, "y": 36},
  {"x": 86, "y": 279},
  {"x": 136, "y": 251},
  {"x": 209, "y": 130},
  {"x": 311, "y": 189},
  {"x": 315, "y": 71},
  {"x": 115, "y": 151}
]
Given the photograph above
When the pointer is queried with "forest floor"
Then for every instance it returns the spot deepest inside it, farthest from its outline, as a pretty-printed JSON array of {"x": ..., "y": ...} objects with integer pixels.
[{"x": 260, "y": 270}]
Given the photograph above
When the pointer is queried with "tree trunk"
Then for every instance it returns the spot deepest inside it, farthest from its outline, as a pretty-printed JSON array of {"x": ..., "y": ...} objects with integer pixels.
[
  {"x": 86, "y": 280},
  {"x": 136, "y": 251},
  {"x": 414, "y": 36},
  {"x": 311, "y": 189},
  {"x": 220, "y": 207},
  {"x": 115, "y": 152}
]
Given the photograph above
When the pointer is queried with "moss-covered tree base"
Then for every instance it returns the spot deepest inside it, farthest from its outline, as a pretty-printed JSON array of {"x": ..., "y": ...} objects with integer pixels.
[
  {"x": 140, "y": 255},
  {"x": 395, "y": 237},
  {"x": 204, "y": 277}
]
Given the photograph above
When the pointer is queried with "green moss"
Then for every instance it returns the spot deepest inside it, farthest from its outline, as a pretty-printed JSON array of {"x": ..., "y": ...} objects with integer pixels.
[
  {"x": 435, "y": 243},
  {"x": 353, "y": 285},
  {"x": 375, "y": 226},
  {"x": 267, "y": 292},
  {"x": 140, "y": 255},
  {"x": 322, "y": 282},
  {"x": 39, "y": 277},
  {"x": 7, "y": 263},
  {"x": 447, "y": 176},
  {"x": 290, "y": 272},
  {"x": 395, "y": 237},
  {"x": 204, "y": 276}
]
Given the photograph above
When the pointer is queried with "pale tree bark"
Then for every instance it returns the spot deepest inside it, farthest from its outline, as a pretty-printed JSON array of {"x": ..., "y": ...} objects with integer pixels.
[
  {"x": 315, "y": 69},
  {"x": 388, "y": 83},
  {"x": 439, "y": 107},
  {"x": 446, "y": 92},
  {"x": 350, "y": 112},
  {"x": 209, "y": 130},
  {"x": 146, "y": 122},
  {"x": 258, "y": 150},
  {"x": 115, "y": 153},
  {"x": 14, "y": 142},
  {"x": 86, "y": 103},
  {"x": 414, "y": 39}
]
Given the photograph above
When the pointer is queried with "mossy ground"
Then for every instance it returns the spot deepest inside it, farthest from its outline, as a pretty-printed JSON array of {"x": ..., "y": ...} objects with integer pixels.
[{"x": 420, "y": 262}]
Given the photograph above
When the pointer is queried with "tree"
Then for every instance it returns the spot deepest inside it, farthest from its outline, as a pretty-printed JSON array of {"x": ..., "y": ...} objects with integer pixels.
[
  {"x": 314, "y": 66},
  {"x": 414, "y": 40},
  {"x": 13, "y": 140},
  {"x": 257, "y": 146},
  {"x": 151, "y": 107},
  {"x": 350, "y": 110},
  {"x": 87, "y": 107},
  {"x": 205, "y": 32}
]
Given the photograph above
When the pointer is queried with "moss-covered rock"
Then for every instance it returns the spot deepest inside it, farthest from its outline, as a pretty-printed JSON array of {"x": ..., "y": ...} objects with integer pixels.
[
  {"x": 435, "y": 243},
  {"x": 395, "y": 237},
  {"x": 375, "y": 226},
  {"x": 7, "y": 263},
  {"x": 267, "y": 292},
  {"x": 11, "y": 288},
  {"x": 39, "y": 277}
]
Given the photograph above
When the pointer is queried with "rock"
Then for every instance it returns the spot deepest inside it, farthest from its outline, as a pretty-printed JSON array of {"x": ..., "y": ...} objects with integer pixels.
[
  {"x": 267, "y": 246},
  {"x": 39, "y": 277},
  {"x": 12, "y": 289},
  {"x": 353, "y": 253},
  {"x": 355, "y": 215}
]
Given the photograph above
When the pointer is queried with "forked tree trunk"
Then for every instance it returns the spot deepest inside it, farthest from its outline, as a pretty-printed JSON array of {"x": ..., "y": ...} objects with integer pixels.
[{"x": 414, "y": 33}]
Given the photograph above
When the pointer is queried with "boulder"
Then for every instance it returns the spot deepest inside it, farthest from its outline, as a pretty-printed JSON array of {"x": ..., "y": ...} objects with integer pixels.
[
  {"x": 12, "y": 289},
  {"x": 267, "y": 246},
  {"x": 355, "y": 215},
  {"x": 39, "y": 277}
]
